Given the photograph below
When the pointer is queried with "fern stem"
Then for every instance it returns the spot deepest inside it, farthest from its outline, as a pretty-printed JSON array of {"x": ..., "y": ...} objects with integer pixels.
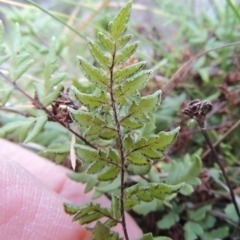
[
  {"x": 39, "y": 105},
  {"x": 197, "y": 110},
  {"x": 120, "y": 138},
  {"x": 205, "y": 134}
]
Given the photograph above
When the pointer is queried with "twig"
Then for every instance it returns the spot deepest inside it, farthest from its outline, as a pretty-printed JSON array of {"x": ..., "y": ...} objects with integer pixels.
[
  {"x": 181, "y": 74},
  {"x": 24, "y": 114},
  {"x": 222, "y": 137},
  {"x": 223, "y": 171},
  {"x": 198, "y": 110},
  {"x": 39, "y": 105}
]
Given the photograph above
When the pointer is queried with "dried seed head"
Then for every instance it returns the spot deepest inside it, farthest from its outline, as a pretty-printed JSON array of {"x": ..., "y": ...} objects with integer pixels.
[
  {"x": 197, "y": 109},
  {"x": 206, "y": 107}
]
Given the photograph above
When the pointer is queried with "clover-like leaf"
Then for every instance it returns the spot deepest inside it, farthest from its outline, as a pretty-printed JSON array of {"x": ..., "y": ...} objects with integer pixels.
[{"x": 186, "y": 171}]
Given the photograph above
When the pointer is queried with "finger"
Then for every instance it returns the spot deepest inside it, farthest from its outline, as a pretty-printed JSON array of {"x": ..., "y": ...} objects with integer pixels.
[
  {"x": 29, "y": 210},
  {"x": 55, "y": 177}
]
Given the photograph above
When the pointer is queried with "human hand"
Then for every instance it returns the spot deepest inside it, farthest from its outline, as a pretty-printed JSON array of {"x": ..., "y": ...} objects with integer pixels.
[{"x": 32, "y": 192}]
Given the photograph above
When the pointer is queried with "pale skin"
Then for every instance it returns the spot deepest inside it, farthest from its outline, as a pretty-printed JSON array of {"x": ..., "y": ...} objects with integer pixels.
[{"x": 32, "y": 191}]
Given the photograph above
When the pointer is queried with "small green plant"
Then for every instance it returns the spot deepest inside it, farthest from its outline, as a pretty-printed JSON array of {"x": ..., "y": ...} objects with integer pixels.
[{"x": 113, "y": 125}]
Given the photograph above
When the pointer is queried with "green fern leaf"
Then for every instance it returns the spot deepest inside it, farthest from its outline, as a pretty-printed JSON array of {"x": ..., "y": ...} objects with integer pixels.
[
  {"x": 5, "y": 92},
  {"x": 132, "y": 124},
  {"x": 139, "y": 169},
  {"x": 122, "y": 74},
  {"x": 125, "y": 53},
  {"x": 128, "y": 142},
  {"x": 144, "y": 195},
  {"x": 71, "y": 208},
  {"x": 3, "y": 55},
  {"x": 1, "y": 32},
  {"x": 87, "y": 154},
  {"x": 132, "y": 159},
  {"x": 23, "y": 131},
  {"x": 20, "y": 58},
  {"x": 91, "y": 101},
  {"x": 150, "y": 191},
  {"x": 121, "y": 42},
  {"x": 21, "y": 62},
  {"x": 110, "y": 174},
  {"x": 164, "y": 139},
  {"x": 93, "y": 74},
  {"x": 113, "y": 155},
  {"x": 57, "y": 152},
  {"x": 107, "y": 187},
  {"x": 135, "y": 112},
  {"x": 115, "y": 207},
  {"x": 10, "y": 127},
  {"x": 96, "y": 128},
  {"x": 50, "y": 64},
  {"x": 86, "y": 118},
  {"x": 130, "y": 203},
  {"x": 111, "y": 223},
  {"x": 39, "y": 124},
  {"x": 83, "y": 177},
  {"x": 87, "y": 213},
  {"x": 147, "y": 236},
  {"x": 52, "y": 96},
  {"x": 118, "y": 26},
  {"x": 95, "y": 167},
  {"x": 108, "y": 134},
  {"x": 4, "y": 58},
  {"x": 154, "y": 147},
  {"x": 132, "y": 86},
  {"x": 89, "y": 218},
  {"x": 128, "y": 192},
  {"x": 106, "y": 42},
  {"x": 54, "y": 81},
  {"x": 39, "y": 91},
  {"x": 100, "y": 231},
  {"x": 97, "y": 53},
  {"x": 162, "y": 191}
]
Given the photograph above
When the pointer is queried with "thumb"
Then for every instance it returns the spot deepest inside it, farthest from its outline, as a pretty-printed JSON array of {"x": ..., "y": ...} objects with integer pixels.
[{"x": 30, "y": 210}]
